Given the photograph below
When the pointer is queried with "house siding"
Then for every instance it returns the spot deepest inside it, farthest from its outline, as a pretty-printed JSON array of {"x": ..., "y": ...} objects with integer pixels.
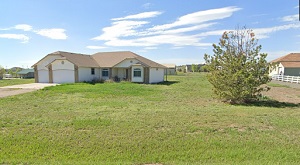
[
  {"x": 277, "y": 70},
  {"x": 156, "y": 75},
  {"x": 84, "y": 74},
  {"x": 137, "y": 79}
]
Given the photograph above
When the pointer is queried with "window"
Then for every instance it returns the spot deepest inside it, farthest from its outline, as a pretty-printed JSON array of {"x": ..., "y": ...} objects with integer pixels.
[
  {"x": 93, "y": 71},
  {"x": 137, "y": 72},
  {"x": 104, "y": 72}
]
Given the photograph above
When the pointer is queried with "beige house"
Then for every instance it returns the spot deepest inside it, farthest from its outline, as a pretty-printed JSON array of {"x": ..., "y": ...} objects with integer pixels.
[
  {"x": 287, "y": 65},
  {"x": 66, "y": 67},
  {"x": 170, "y": 69}
]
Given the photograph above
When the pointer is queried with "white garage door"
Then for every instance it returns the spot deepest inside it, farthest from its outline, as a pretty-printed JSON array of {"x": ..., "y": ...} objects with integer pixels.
[
  {"x": 43, "y": 76},
  {"x": 63, "y": 76}
]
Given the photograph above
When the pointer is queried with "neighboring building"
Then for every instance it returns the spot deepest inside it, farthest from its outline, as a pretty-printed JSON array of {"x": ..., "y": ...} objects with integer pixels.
[
  {"x": 180, "y": 68},
  {"x": 26, "y": 73},
  {"x": 171, "y": 69},
  {"x": 287, "y": 65},
  {"x": 66, "y": 67},
  {"x": 7, "y": 75},
  {"x": 189, "y": 68}
]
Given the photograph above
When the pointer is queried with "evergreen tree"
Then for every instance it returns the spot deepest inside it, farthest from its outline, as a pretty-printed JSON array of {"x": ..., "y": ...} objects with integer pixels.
[{"x": 237, "y": 70}]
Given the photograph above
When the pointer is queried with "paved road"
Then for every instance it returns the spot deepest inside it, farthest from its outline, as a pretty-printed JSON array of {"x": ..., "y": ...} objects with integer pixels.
[{"x": 23, "y": 88}]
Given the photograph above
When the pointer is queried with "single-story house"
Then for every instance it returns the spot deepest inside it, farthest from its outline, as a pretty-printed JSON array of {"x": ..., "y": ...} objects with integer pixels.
[
  {"x": 193, "y": 67},
  {"x": 26, "y": 73},
  {"x": 7, "y": 75},
  {"x": 171, "y": 69},
  {"x": 287, "y": 65},
  {"x": 66, "y": 67}
]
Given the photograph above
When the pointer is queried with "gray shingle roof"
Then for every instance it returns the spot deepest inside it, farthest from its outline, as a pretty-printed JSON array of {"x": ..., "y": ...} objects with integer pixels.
[
  {"x": 81, "y": 60},
  {"x": 110, "y": 59}
]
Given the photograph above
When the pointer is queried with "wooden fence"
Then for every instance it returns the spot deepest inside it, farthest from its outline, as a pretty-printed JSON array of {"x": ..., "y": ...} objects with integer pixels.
[{"x": 286, "y": 78}]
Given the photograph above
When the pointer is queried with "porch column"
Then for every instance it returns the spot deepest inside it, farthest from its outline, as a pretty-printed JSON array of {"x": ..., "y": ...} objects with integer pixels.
[
  {"x": 129, "y": 74},
  {"x": 146, "y": 75},
  {"x": 110, "y": 73}
]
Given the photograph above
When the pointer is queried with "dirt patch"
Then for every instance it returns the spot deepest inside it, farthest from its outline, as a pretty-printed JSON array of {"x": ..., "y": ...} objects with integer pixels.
[
  {"x": 284, "y": 94},
  {"x": 4, "y": 92}
]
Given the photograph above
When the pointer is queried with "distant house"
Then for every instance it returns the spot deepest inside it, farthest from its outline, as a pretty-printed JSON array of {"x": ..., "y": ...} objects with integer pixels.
[
  {"x": 287, "y": 65},
  {"x": 66, "y": 67},
  {"x": 171, "y": 69},
  {"x": 197, "y": 67},
  {"x": 26, "y": 73},
  {"x": 7, "y": 75}
]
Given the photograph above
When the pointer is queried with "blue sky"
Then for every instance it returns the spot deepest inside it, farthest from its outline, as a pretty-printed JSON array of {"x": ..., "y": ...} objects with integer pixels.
[{"x": 166, "y": 31}]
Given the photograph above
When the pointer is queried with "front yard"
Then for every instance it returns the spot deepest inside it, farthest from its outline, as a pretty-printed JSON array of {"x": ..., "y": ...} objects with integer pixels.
[
  {"x": 8, "y": 82},
  {"x": 178, "y": 122}
]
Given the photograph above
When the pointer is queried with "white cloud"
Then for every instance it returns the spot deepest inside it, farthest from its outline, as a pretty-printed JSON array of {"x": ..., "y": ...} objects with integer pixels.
[
  {"x": 260, "y": 33},
  {"x": 120, "y": 29},
  {"x": 263, "y": 32},
  {"x": 96, "y": 47},
  {"x": 199, "y": 17},
  {"x": 296, "y": 7},
  {"x": 139, "y": 16},
  {"x": 126, "y": 32},
  {"x": 177, "y": 47},
  {"x": 150, "y": 48},
  {"x": 24, "y": 27},
  {"x": 58, "y": 34},
  {"x": 177, "y": 40},
  {"x": 290, "y": 18},
  {"x": 21, "y": 37},
  {"x": 146, "y": 5}
]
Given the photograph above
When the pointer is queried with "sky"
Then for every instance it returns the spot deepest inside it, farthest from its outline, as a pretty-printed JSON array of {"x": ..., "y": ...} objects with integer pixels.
[{"x": 165, "y": 31}]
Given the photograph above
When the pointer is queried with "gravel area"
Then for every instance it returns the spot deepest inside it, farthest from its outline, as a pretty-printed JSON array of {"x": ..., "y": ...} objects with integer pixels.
[
  {"x": 23, "y": 88},
  {"x": 289, "y": 94}
]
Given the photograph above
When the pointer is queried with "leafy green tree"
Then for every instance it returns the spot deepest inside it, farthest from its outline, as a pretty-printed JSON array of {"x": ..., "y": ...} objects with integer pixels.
[
  {"x": 2, "y": 71},
  {"x": 194, "y": 68},
  {"x": 237, "y": 70}
]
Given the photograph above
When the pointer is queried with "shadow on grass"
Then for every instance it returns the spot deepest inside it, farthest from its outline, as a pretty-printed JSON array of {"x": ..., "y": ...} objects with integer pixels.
[
  {"x": 168, "y": 83},
  {"x": 271, "y": 103}
]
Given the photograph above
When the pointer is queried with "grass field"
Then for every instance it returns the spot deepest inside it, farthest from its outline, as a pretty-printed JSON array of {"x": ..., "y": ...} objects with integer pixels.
[
  {"x": 124, "y": 123},
  {"x": 7, "y": 82}
]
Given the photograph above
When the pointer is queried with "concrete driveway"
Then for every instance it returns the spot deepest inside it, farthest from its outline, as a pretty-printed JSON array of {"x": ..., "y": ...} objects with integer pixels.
[{"x": 22, "y": 88}]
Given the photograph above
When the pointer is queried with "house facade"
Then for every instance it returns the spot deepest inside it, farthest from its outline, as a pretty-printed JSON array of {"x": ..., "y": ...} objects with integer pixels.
[
  {"x": 287, "y": 65},
  {"x": 66, "y": 67}
]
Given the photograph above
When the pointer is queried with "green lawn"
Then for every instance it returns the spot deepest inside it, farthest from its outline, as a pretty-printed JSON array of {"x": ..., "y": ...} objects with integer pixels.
[
  {"x": 125, "y": 123},
  {"x": 8, "y": 82}
]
